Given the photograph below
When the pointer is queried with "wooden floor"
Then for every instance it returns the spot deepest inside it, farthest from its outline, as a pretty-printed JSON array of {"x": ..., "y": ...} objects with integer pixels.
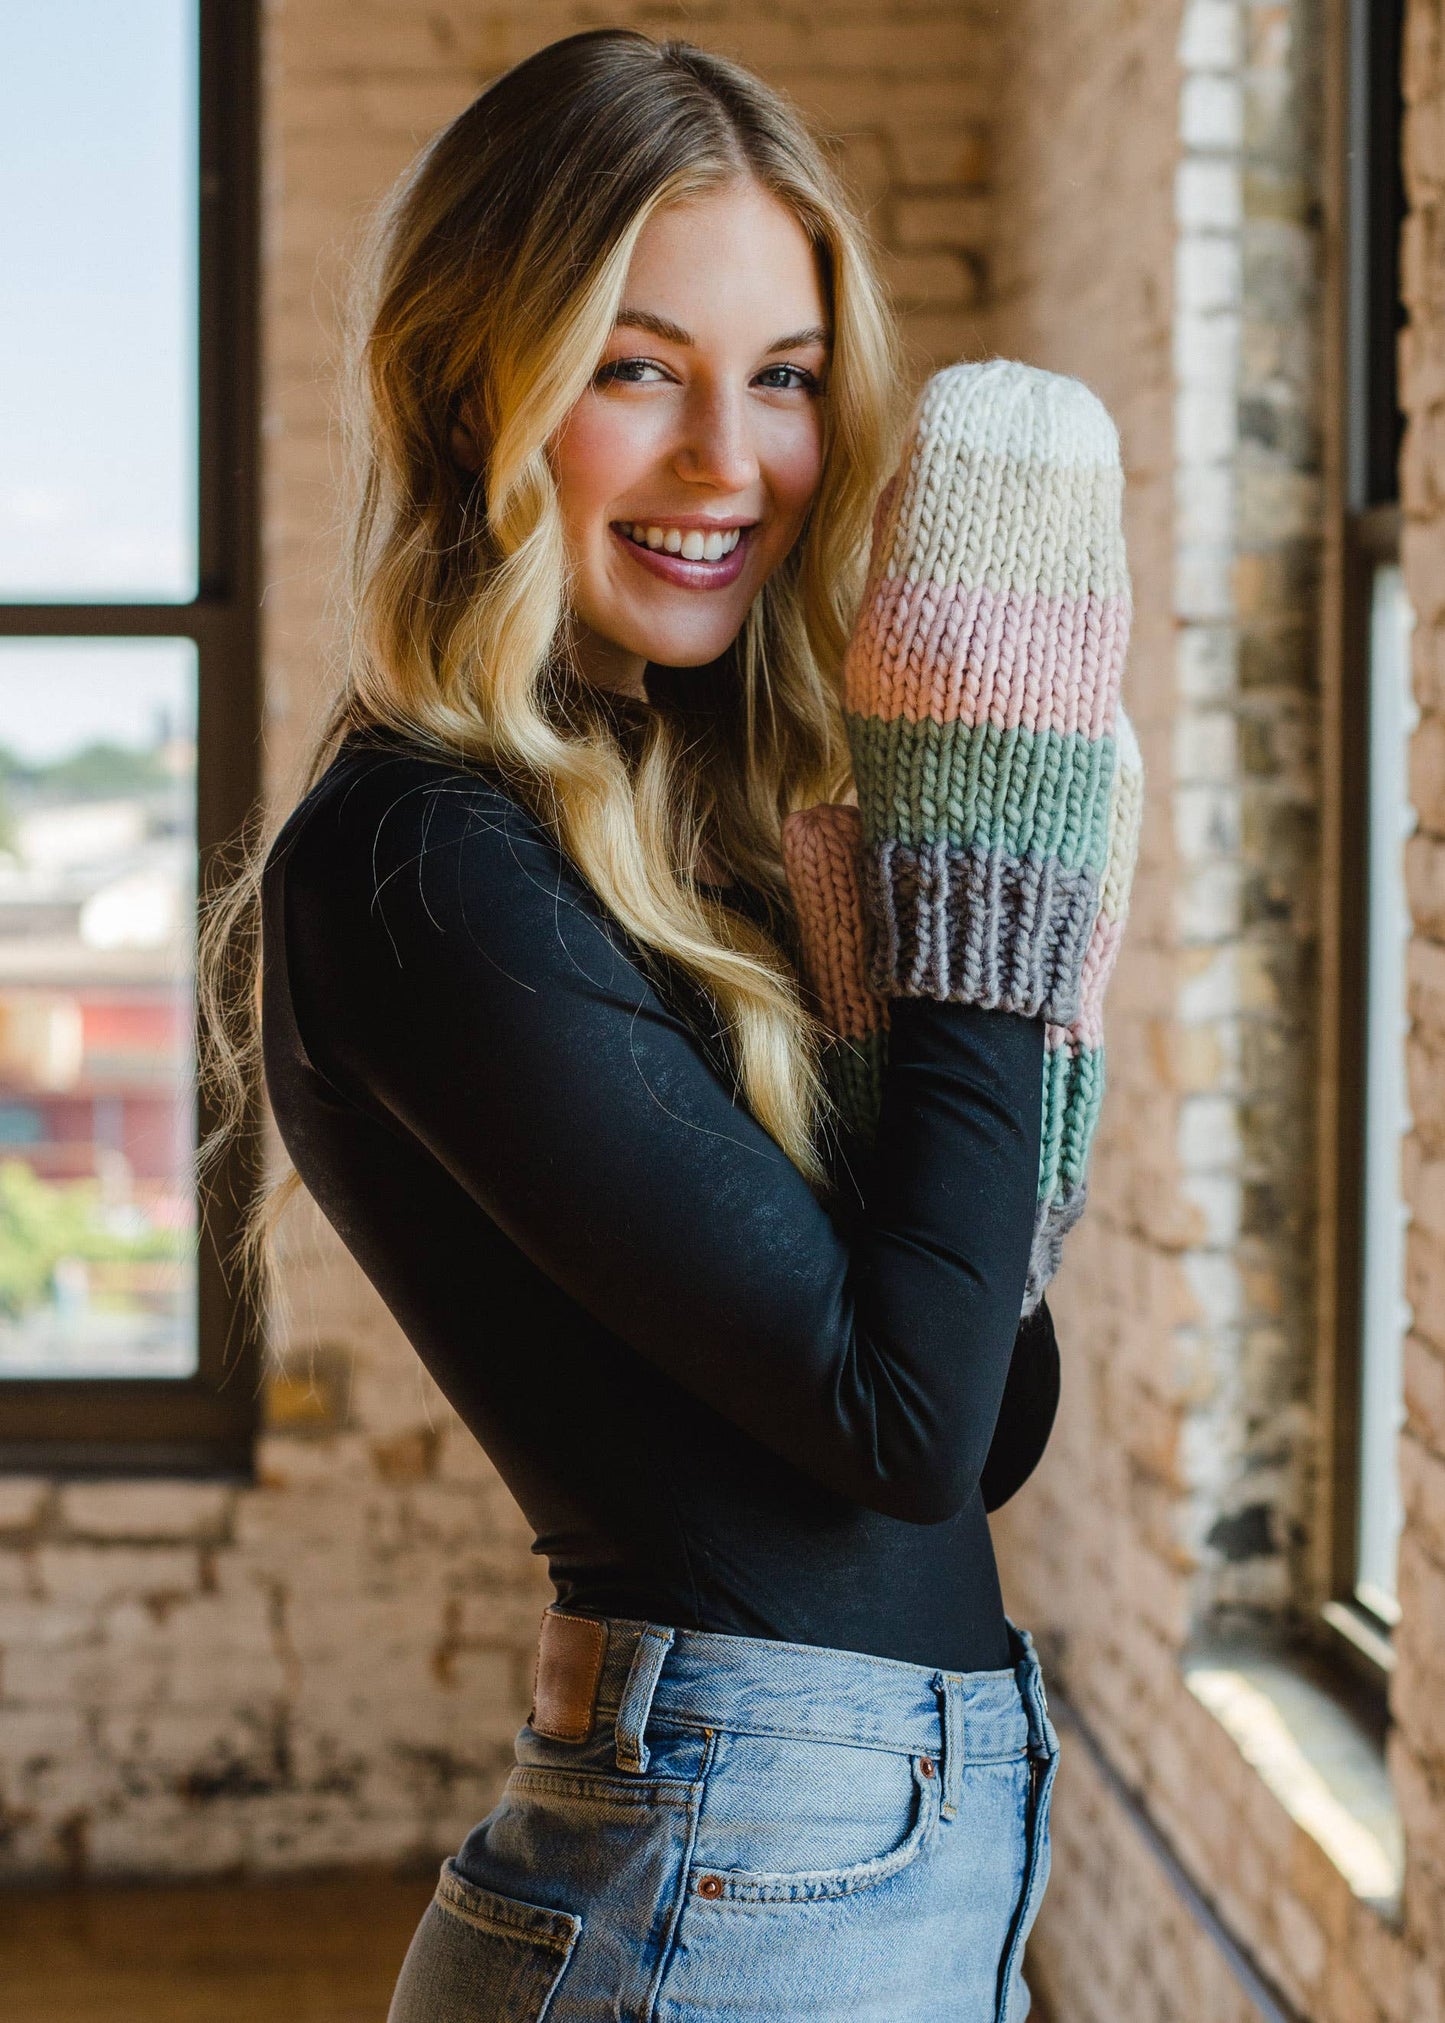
[{"x": 314, "y": 1951}]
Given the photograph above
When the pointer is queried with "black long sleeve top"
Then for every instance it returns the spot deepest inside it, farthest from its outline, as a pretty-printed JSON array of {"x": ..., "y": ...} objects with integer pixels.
[{"x": 722, "y": 1399}]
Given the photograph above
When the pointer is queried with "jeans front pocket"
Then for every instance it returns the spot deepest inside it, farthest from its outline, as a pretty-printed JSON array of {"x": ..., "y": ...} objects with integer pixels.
[
  {"x": 477, "y": 1957},
  {"x": 802, "y": 1821}
]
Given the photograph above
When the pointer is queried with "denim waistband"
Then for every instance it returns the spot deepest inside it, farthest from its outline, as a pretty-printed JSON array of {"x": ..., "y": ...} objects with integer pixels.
[{"x": 759, "y": 1685}]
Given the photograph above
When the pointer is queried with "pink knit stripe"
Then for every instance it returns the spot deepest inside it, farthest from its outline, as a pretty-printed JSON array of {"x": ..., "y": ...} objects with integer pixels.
[
  {"x": 973, "y": 657},
  {"x": 821, "y": 848}
]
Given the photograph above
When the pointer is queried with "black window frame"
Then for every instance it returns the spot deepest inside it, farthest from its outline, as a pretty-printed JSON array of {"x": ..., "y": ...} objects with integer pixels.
[
  {"x": 1367, "y": 533},
  {"x": 203, "y": 1424}
]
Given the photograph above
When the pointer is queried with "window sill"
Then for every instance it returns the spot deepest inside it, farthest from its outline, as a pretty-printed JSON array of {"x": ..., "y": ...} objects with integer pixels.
[{"x": 1320, "y": 1760}]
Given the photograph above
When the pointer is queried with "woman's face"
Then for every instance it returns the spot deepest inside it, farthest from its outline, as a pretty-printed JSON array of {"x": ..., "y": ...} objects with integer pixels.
[{"x": 686, "y": 470}]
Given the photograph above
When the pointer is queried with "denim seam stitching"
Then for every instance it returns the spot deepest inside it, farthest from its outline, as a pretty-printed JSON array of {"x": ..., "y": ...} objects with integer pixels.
[
  {"x": 698, "y": 1726},
  {"x": 667, "y": 1952},
  {"x": 450, "y": 1896},
  {"x": 579, "y": 1783}
]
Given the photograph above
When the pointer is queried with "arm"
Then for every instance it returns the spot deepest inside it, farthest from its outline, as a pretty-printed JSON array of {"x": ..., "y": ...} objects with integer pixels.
[
  {"x": 989, "y": 857},
  {"x": 451, "y": 971},
  {"x": 1026, "y": 1416}
]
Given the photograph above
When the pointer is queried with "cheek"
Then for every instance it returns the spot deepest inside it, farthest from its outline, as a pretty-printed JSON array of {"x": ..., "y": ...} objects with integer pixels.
[
  {"x": 795, "y": 464},
  {"x": 601, "y": 451}
]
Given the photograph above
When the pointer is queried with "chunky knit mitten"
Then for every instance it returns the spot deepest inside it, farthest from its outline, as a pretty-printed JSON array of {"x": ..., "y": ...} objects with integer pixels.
[
  {"x": 989, "y": 859},
  {"x": 823, "y": 847}
]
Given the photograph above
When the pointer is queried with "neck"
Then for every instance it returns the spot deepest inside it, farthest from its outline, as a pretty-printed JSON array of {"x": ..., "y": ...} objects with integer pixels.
[{"x": 607, "y": 665}]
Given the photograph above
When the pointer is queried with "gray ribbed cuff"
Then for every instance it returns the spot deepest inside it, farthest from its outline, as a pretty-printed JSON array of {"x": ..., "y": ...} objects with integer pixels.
[{"x": 974, "y": 926}]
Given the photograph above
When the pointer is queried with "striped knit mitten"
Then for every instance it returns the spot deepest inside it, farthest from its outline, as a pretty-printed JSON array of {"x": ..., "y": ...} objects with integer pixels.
[{"x": 990, "y": 857}]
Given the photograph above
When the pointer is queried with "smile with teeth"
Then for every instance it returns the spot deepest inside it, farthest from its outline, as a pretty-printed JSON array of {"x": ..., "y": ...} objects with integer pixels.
[{"x": 691, "y": 544}]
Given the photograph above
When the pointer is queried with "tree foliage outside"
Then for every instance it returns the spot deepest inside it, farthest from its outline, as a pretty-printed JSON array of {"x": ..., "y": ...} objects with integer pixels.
[{"x": 42, "y": 1224}]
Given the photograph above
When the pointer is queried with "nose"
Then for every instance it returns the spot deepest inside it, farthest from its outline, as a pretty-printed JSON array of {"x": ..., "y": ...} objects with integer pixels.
[{"x": 717, "y": 449}]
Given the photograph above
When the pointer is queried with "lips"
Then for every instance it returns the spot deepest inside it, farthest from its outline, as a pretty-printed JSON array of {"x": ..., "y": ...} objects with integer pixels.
[{"x": 693, "y": 558}]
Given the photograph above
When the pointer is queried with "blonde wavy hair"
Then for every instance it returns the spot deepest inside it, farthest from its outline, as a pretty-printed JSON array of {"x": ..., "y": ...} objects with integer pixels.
[{"x": 489, "y": 284}]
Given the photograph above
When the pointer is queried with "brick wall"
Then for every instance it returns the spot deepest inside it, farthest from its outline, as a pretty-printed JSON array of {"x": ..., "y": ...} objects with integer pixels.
[
  {"x": 1418, "y": 1754},
  {"x": 331, "y": 1665},
  {"x": 1170, "y": 253}
]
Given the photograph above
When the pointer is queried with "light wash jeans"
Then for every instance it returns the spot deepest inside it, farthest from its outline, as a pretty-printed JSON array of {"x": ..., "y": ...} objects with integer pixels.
[{"x": 755, "y": 1830}]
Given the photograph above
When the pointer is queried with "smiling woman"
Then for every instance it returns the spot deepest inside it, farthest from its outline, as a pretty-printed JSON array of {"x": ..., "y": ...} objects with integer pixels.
[
  {"x": 538, "y": 1036},
  {"x": 691, "y": 467}
]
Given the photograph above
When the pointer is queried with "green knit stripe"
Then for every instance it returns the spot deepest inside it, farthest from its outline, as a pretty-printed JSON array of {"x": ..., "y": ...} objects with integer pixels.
[
  {"x": 1073, "y": 1098},
  {"x": 1018, "y": 792}
]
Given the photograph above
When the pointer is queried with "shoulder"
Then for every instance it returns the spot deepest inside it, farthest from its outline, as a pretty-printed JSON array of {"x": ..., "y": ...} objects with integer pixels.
[
  {"x": 402, "y": 859},
  {"x": 381, "y": 801},
  {"x": 390, "y": 825}
]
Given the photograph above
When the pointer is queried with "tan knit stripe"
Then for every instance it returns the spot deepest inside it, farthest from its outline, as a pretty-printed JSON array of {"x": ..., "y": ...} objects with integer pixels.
[{"x": 998, "y": 523}]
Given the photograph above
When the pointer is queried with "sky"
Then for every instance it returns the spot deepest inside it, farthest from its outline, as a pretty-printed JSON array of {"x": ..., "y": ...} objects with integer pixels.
[
  {"x": 97, "y": 355},
  {"x": 57, "y": 695},
  {"x": 97, "y": 298}
]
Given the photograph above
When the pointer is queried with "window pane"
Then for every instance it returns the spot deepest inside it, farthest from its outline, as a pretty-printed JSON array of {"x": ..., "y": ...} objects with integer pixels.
[
  {"x": 1386, "y": 1316},
  {"x": 97, "y": 913},
  {"x": 98, "y": 300}
]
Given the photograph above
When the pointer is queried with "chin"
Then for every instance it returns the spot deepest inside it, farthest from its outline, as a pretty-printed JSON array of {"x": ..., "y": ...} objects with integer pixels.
[
  {"x": 673, "y": 654},
  {"x": 667, "y": 646}
]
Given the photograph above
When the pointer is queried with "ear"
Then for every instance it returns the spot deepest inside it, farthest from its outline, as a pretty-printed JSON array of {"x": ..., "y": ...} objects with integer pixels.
[{"x": 464, "y": 448}]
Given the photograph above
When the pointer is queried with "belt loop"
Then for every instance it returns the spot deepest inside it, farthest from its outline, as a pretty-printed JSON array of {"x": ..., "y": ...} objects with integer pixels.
[
  {"x": 950, "y": 1692},
  {"x": 647, "y": 1660},
  {"x": 1043, "y": 1737}
]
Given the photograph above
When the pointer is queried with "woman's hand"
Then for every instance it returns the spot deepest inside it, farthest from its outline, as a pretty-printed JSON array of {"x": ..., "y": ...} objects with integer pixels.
[{"x": 990, "y": 857}]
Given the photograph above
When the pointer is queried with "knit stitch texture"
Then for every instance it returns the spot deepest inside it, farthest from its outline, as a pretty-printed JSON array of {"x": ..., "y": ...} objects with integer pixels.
[
  {"x": 999, "y": 782},
  {"x": 981, "y": 691}
]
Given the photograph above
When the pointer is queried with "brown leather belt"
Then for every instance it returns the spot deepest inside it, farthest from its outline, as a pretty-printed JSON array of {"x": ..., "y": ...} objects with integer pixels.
[{"x": 570, "y": 1653}]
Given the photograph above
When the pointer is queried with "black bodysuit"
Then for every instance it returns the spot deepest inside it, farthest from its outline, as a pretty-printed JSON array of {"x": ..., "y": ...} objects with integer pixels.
[{"x": 721, "y": 1400}]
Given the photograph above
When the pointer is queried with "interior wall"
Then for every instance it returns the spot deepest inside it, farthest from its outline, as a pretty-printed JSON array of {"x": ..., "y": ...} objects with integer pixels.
[
  {"x": 1418, "y": 1698},
  {"x": 330, "y": 1666},
  {"x": 1160, "y": 231}
]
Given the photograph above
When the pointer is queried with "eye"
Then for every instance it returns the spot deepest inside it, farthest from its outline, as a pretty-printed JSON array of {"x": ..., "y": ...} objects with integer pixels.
[
  {"x": 627, "y": 372},
  {"x": 801, "y": 381}
]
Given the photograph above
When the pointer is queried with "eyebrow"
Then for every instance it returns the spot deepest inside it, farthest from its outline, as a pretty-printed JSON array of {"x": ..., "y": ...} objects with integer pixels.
[{"x": 673, "y": 333}]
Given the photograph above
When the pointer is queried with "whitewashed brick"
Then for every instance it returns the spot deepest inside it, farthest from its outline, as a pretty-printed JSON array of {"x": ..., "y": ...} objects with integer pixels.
[
  {"x": 1209, "y": 36},
  {"x": 1206, "y": 345},
  {"x": 1135, "y": 280},
  {"x": 1204, "y": 519},
  {"x": 1208, "y": 903},
  {"x": 1209, "y": 1133},
  {"x": 1208, "y": 272},
  {"x": 1206, "y": 821},
  {"x": 1207, "y": 656},
  {"x": 1211, "y": 112},
  {"x": 23, "y": 1501},
  {"x": 1218, "y": 1199},
  {"x": 1207, "y": 196},
  {"x": 1204, "y": 747},
  {"x": 144, "y": 1510},
  {"x": 101, "y": 1575},
  {"x": 1206, "y": 421}
]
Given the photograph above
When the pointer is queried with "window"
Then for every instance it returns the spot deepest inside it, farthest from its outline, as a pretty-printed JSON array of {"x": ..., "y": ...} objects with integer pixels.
[
  {"x": 1376, "y": 717},
  {"x": 128, "y": 717}
]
